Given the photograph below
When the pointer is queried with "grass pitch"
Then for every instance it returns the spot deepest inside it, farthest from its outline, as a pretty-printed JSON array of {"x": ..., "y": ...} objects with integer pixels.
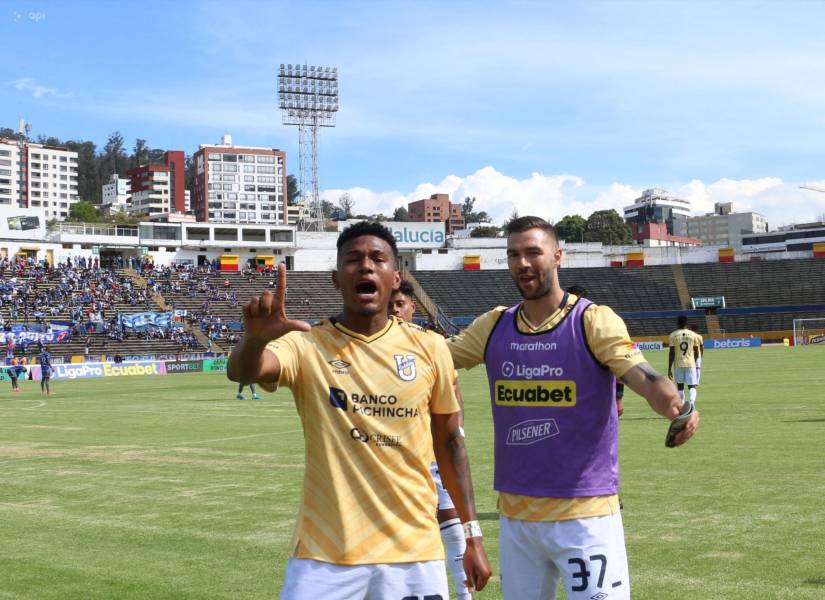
[{"x": 169, "y": 488}]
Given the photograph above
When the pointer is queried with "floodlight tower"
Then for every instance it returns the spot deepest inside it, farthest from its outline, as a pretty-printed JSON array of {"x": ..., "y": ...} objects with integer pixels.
[{"x": 308, "y": 98}]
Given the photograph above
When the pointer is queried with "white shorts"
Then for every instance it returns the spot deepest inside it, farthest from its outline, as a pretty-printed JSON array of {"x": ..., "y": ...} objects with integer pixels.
[
  {"x": 316, "y": 580},
  {"x": 444, "y": 500},
  {"x": 686, "y": 375},
  {"x": 587, "y": 555}
]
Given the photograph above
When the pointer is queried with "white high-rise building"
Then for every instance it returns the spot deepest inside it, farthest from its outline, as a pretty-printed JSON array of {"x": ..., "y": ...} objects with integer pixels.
[
  {"x": 38, "y": 176},
  {"x": 10, "y": 182},
  {"x": 52, "y": 180},
  {"x": 115, "y": 194},
  {"x": 242, "y": 184}
]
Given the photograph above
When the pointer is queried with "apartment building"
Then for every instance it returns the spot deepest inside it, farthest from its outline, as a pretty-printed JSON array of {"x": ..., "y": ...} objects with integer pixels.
[
  {"x": 38, "y": 176},
  {"x": 239, "y": 184},
  {"x": 437, "y": 209},
  {"x": 159, "y": 188}
]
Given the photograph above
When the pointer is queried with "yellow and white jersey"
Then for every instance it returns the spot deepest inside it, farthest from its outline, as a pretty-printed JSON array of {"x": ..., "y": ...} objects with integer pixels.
[
  {"x": 684, "y": 342},
  {"x": 365, "y": 405},
  {"x": 701, "y": 341}
]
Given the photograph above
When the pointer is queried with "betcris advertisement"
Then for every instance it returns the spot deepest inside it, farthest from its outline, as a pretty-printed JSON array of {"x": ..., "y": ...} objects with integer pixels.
[
  {"x": 718, "y": 344},
  {"x": 89, "y": 370}
]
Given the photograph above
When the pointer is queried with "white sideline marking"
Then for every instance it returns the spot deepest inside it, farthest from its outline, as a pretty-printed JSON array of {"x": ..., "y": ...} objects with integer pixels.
[
  {"x": 143, "y": 449},
  {"x": 227, "y": 439},
  {"x": 40, "y": 404}
]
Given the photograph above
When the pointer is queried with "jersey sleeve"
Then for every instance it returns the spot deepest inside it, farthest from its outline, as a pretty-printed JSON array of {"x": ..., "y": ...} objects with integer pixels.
[
  {"x": 442, "y": 398},
  {"x": 287, "y": 350},
  {"x": 609, "y": 341},
  {"x": 467, "y": 348}
]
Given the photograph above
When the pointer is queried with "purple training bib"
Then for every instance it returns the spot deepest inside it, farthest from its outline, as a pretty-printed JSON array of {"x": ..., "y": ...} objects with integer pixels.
[{"x": 554, "y": 410}]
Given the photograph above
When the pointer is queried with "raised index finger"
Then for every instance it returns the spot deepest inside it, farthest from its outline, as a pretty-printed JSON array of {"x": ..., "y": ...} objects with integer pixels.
[{"x": 280, "y": 289}]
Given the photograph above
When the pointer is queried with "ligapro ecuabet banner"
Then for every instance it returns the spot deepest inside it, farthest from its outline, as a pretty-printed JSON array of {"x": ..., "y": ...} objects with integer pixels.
[{"x": 96, "y": 369}]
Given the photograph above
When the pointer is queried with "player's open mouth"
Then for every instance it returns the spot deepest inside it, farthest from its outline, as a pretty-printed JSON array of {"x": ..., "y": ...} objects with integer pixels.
[{"x": 366, "y": 291}]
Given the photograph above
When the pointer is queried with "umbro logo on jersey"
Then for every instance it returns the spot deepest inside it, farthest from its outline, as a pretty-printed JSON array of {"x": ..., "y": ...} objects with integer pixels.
[
  {"x": 405, "y": 366},
  {"x": 339, "y": 364},
  {"x": 338, "y": 398}
]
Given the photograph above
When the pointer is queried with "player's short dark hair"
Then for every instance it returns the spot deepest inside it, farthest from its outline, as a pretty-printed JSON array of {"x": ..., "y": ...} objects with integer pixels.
[
  {"x": 577, "y": 290},
  {"x": 406, "y": 289},
  {"x": 681, "y": 321},
  {"x": 522, "y": 224},
  {"x": 373, "y": 228}
]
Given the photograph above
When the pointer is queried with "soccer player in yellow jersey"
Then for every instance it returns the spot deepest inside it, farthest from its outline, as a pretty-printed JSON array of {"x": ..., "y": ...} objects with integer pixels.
[
  {"x": 375, "y": 397},
  {"x": 552, "y": 363},
  {"x": 701, "y": 341},
  {"x": 402, "y": 305},
  {"x": 684, "y": 350}
]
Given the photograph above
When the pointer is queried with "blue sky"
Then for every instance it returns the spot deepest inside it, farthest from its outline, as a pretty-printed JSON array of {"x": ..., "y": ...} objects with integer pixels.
[{"x": 538, "y": 106}]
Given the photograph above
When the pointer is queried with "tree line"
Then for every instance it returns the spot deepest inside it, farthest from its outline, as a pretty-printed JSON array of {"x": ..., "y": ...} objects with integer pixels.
[{"x": 95, "y": 165}]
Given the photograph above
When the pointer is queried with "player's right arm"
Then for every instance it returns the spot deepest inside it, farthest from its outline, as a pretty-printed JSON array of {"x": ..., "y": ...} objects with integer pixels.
[
  {"x": 264, "y": 320},
  {"x": 671, "y": 356},
  {"x": 467, "y": 348}
]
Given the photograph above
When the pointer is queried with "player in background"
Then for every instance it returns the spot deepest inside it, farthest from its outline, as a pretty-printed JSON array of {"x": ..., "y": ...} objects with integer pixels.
[
  {"x": 45, "y": 371},
  {"x": 375, "y": 396},
  {"x": 252, "y": 388},
  {"x": 695, "y": 331},
  {"x": 402, "y": 305},
  {"x": 15, "y": 371},
  {"x": 9, "y": 349},
  {"x": 684, "y": 350},
  {"x": 552, "y": 362}
]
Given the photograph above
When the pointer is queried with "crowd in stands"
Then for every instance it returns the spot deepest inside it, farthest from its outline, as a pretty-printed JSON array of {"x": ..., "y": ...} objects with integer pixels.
[{"x": 81, "y": 297}]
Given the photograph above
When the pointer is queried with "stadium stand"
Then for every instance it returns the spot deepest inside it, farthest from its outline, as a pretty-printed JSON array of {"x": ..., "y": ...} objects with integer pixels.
[
  {"x": 761, "y": 296},
  {"x": 86, "y": 300},
  {"x": 762, "y": 283}
]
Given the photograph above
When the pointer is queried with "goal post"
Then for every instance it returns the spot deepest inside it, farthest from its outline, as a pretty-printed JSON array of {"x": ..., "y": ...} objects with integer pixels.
[{"x": 809, "y": 331}]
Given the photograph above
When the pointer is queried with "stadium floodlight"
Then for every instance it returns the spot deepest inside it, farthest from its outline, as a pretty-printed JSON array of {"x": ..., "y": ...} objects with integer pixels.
[{"x": 308, "y": 99}]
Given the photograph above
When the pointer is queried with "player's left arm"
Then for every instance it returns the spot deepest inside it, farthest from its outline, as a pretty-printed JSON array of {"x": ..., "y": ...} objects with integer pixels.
[
  {"x": 662, "y": 397},
  {"x": 608, "y": 339},
  {"x": 454, "y": 464},
  {"x": 454, "y": 468},
  {"x": 460, "y": 399}
]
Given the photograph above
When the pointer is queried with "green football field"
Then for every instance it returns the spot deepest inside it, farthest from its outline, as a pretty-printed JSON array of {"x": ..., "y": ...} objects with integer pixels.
[{"x": 167, "y": 487}]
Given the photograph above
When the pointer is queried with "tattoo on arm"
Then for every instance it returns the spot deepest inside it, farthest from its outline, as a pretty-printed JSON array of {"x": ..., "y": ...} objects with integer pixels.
[
  {"x": 650, "y": 373},
  {"x": 461, "y": 464}
]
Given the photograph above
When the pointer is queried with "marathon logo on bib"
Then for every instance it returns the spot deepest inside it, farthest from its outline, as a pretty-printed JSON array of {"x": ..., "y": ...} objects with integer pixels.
[
  {"x": 405, "y": 366},
  {"x": 535, "y": 393}
]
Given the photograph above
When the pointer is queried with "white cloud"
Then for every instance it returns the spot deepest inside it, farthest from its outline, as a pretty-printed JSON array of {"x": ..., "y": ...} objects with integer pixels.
[
  {"x": 495, "y": 193},
  {"x": 553, "y": 196},
  {"x": 37, "y": 90},
  {"x": 742, "y": 192}
]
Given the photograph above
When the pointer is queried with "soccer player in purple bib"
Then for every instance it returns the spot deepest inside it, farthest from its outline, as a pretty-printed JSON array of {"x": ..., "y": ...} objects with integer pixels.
[{"x": 552, "y": 364}]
